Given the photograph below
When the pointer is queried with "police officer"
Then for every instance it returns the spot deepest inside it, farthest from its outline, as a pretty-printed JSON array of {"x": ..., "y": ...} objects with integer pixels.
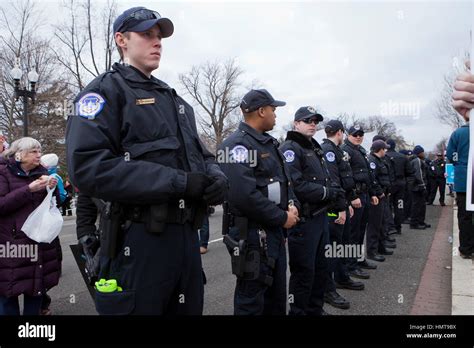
[
  {"x": 430, "y": 179},
  {"x": 315, "y": 192},
  {"x": 340, "y": 170},
  {"x": 439, "y": 168},
  {"x": 403, "y": 172},
  {"x": 419, "y": 190},
  {"x": 407, "y": 197},
  {"x": 381, "y": 176},
  {"x": 132, "y": 141},
  {"x": 261, "y": 204},
  {"x": 388, "y": 222},
  {"x": 363, "y": 181}
]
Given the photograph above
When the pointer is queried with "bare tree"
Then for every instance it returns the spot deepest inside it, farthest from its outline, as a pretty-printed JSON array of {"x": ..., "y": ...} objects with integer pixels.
[
  {"x": 85, "y": 40},
  {"x": 22, "y": 45},
  {"x": 347, "y": 120},
  {"x": 215, "y": 89},
  {"x": 379, "y": 124},
  {"x": 441, "y": 145},
  {"x": 444, "y": 110}
]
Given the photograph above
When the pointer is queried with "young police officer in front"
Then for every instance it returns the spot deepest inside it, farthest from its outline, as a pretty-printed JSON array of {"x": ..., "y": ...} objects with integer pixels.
[{"x": 133, "y": 141}]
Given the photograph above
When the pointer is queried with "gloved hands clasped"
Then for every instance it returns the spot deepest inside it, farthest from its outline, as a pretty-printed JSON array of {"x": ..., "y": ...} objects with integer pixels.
[{"x": 202, "y": 186}]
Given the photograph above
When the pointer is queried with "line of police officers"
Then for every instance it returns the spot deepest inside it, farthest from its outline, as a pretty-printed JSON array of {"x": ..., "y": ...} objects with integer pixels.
[
  {"x": 132, "y": 143},
  {"x": 342, "y": 196}
]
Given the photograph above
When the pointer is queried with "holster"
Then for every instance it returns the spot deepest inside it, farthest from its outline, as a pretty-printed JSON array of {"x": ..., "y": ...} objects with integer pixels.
[
  {"x": 110, "y": 226},
  {"x": 200, "y": 213},
  {"x": 156, "y": 221},
  {"x": 245, "y": 262}
]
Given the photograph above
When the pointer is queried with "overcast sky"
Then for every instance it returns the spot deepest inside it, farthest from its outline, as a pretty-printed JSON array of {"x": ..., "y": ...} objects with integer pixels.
[{"x": 346, "y": 56}]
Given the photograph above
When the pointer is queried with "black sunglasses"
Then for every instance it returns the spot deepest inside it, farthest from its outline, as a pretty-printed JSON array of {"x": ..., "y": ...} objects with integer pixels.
[
  {"x": 140, "y": 15},
  {"x": 358, "y": 135},
  {"x": 310, "y": 120}
]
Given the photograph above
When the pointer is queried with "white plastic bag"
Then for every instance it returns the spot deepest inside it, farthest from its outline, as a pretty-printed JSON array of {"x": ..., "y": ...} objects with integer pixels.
[{"x": 45, "y": 222}]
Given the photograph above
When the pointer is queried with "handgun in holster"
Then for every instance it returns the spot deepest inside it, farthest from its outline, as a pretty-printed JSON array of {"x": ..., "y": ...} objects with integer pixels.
[
  {"x": 156, "y": 218},
  {"x": 110, "y": 227},
  {"x": 245, "y": 262},
  {"x": 200, "y": 212}
]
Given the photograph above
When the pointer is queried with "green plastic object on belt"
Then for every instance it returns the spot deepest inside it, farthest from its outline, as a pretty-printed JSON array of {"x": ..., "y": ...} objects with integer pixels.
[{"x": 106, "y": 286}]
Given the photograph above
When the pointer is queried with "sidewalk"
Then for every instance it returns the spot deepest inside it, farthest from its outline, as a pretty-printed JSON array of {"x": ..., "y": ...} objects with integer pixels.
[{"x": 462, "y": 276}]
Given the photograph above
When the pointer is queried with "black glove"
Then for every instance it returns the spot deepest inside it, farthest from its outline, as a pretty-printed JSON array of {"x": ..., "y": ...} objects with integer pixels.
[
  {"x": 90, "y": 248},
  {"x": 424, "y": 191},
  {"x": 335, "y": 193},
  {"x": 215, "y": 193},
  {"x": 195, "y": 185}
]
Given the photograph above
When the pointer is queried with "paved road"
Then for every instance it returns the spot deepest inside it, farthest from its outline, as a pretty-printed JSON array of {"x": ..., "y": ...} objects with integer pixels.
[{"x": 391, "y": 289}]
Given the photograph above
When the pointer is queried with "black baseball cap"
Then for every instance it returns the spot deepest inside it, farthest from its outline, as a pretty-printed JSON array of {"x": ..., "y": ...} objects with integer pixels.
[
  {"x": 258, "y": 98},
  {"x": 305, "y": 112},
  {"x": 138, "y": 19},
  {"x": 356, "y": 129},
  {"x": 334, "y": 126},
  {"x": 391, "y": 144},
  {"x": 379, "y": 137},
  {"x": 378, "y": 145}
]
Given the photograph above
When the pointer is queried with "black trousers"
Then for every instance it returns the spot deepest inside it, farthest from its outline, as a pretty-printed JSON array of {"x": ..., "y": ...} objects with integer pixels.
[
  {"x": 375, "y": 231},
  {"x": 407, "y": 201},
  {"x": 356, "y": 228},
  {"x": 308, "y": 265},
  {"x": 387, "y": 221},
  {"x": 397, "y": 201},
  {"x": 438, "y": 184},
  {"x": 254, "y": 297},
  {"x": 430, "y": 183},
  {"x": 337, "y": 266},
  {"x": 466, "y": 226},
  {"x": 418, "y": 212},
  {"x": 160, "y": 274}
]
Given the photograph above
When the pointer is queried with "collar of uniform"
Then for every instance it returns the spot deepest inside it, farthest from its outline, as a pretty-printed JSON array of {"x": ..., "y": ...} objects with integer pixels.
[
  {"x": 375, "y": 156},
  {"x": 302, "y": 140},
  {"x": 131, "y": 73},
  {"x": 328, "y": 141},
  {"x": 350, "y": 144},
  {"x": 261, "y": 137}
]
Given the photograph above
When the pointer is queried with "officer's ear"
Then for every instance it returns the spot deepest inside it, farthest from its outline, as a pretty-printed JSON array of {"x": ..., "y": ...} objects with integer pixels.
[
  {"x": 120, "y": 39},
  {"x": 261, "y": 112}
]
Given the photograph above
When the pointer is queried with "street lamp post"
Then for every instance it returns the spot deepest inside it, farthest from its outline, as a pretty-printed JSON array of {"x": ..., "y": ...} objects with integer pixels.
[{"x": 24, "y": 92}]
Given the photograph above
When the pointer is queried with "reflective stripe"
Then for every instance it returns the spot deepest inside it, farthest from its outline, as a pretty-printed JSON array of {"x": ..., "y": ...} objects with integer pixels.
[{"x": 325, "y": 192}]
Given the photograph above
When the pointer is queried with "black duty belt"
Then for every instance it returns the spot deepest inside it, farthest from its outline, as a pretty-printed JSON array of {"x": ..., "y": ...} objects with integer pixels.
[{"x": 174, "y": 215}]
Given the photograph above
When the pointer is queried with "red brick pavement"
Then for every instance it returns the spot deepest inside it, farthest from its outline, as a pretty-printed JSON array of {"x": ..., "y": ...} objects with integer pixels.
[{"x": 433, "y": 296}]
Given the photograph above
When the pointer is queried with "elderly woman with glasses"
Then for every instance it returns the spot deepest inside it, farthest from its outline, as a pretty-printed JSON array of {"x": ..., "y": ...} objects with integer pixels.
[{"x": 26, "y": 267}]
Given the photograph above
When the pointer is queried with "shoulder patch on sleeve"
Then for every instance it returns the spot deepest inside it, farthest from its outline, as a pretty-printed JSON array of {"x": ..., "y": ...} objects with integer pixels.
[
  {"x": 289, "y": 156},
  {"x": 373, "y": 165},
  {"x": 330, "y": 156},
  {"x": 240, "y": 154},
  {"x": 90, "y": 105},
  {"x": 346, "y": 157}
]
